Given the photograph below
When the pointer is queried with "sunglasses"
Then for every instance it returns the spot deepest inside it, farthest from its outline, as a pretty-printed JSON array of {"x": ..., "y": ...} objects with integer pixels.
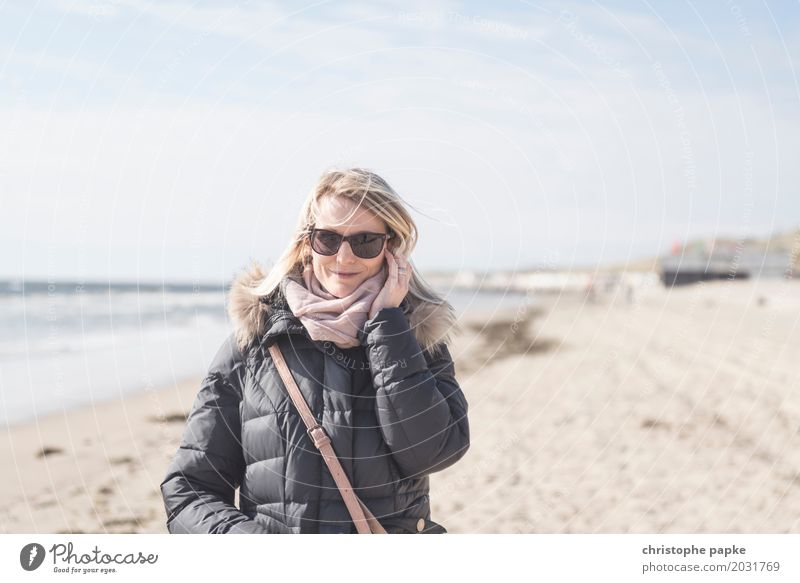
[{"x": 364, "y": 245}]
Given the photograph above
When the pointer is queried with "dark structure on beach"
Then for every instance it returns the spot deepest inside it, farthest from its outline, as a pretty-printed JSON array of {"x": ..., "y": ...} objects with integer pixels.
[{"x": 722, "y": 259}]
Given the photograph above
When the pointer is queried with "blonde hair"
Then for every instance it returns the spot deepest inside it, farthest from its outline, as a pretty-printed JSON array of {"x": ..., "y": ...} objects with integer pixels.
[{"x": 373, "y": 193}]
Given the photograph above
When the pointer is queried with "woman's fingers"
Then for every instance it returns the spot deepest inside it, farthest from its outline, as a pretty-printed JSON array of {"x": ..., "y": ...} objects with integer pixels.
[
  {"x": 398, "y": 281},
  {"x": 392, "y": 265},
  {"x": 405, "y": 275}
]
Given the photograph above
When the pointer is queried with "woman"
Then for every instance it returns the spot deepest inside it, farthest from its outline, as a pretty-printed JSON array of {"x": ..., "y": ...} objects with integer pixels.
[{"x": 366, "y": 342}]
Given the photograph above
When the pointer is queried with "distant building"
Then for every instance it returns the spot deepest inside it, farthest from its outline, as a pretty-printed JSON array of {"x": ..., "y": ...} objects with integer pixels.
[{"x": 711, "y": 260}]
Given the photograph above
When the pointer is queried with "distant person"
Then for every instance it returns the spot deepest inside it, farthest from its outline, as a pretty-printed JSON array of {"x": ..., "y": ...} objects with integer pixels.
[
  {"x": 365, "y": 339},
  {"x": 591, "y": 293}
]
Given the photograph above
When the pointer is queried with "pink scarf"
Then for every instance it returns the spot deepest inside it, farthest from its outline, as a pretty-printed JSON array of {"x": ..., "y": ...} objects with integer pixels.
[{"x": 327, "y": 317}]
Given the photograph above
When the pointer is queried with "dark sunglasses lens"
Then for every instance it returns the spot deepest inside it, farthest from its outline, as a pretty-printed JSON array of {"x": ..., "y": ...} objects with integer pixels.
[
  {"x": 325, "y": 242},
  {"x": 366, "y": 246}
]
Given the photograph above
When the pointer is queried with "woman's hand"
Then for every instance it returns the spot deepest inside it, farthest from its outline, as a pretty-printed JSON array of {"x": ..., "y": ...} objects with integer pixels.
[{"x": 396, "y": 286}]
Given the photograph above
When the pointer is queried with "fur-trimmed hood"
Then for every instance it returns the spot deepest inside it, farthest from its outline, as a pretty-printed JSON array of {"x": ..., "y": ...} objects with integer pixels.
[{"x": 250, "y": 314}]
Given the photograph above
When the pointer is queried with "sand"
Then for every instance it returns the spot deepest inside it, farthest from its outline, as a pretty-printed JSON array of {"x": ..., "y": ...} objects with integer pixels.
[{"x": 668, "y": 411}]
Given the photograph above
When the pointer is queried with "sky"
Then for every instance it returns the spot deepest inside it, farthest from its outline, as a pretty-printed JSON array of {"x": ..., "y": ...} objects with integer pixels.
[{"x": 178, "y": 140}]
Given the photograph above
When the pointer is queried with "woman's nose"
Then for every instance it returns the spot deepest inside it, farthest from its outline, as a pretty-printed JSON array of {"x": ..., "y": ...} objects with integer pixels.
[{"x": 346, "y": 253}]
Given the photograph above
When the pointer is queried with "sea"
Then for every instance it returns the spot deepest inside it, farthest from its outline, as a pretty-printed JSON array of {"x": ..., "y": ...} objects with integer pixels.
[{"x": 67, "y": 344}]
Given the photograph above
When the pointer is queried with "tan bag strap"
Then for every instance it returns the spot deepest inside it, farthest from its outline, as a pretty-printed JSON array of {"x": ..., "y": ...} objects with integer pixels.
[{"x": 364, "y": 520}]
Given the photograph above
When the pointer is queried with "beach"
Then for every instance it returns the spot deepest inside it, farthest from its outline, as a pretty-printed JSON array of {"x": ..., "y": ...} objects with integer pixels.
[{"x": 638, "y": 411}]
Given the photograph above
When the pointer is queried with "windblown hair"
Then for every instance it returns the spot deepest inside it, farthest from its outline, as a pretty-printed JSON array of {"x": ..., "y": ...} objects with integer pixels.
[{"x": 431, "y": 317}]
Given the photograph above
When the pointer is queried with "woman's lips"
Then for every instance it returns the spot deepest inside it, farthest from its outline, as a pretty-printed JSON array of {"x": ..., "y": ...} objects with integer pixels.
[{"x": 344, "y": 275}]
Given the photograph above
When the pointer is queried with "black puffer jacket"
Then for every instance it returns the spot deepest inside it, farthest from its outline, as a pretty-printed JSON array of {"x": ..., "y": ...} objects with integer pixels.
[{"x": 394, "y": 412}]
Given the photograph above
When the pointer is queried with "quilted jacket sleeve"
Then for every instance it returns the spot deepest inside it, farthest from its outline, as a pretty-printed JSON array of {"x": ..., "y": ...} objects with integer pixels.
[
  {"x": 199, "y": 488},
  {"x": 420, "y": 406}
]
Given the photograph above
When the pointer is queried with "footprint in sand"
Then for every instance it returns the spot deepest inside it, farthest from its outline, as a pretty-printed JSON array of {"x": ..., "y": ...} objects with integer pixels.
[
  {"x": 133, "y": 523},
  {"x": 48, "y": 451},
  {"x": 169, "y": 418},
  {"x": 120, "y": 460}
]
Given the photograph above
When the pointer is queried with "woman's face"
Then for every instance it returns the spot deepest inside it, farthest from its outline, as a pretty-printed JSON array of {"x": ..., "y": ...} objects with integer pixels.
[{"x": 333, "y": 213}]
